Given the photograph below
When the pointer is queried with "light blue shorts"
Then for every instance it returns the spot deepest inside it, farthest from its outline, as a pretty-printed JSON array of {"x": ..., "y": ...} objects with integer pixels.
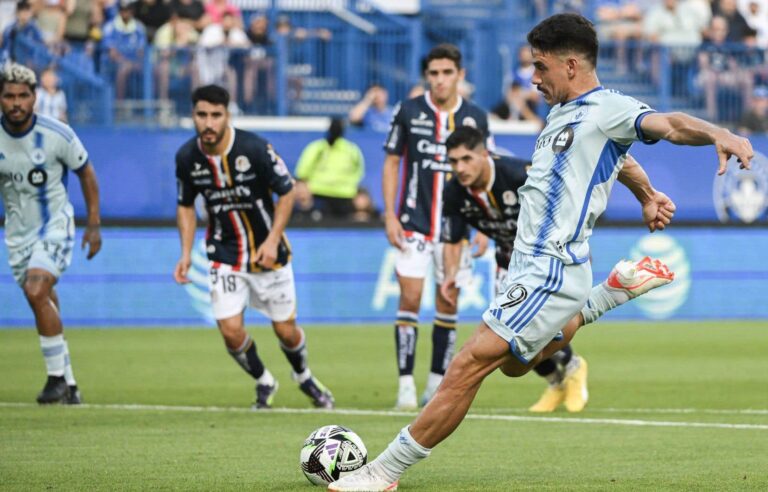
[
  {"x": 53, "y": 256},
  {"x": 540, "y": 295}
]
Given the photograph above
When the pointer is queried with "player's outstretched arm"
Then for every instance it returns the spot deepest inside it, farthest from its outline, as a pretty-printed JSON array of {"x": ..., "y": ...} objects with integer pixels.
[
  {"x": 682, "y": 129},
  {"x": 266, "y": 255},
  {"x": 389, "y": 188},
  {"x": 186, "y": 221},
  {"x": 90, "y": 186},
  {"x": 658, "y": 209}
]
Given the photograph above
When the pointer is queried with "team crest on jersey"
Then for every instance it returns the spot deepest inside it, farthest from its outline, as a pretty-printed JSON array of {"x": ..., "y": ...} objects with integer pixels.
[
  {"x": 37, "y": 177},
  {"x": 37, "y": 156},
  {"x": 509, "y": 198},
  {"x": 515, "y": 295},
  {"x": 242, "y": 164},
  {"x": 469, "y": 121},
  {"x": 563, "y": 140}
]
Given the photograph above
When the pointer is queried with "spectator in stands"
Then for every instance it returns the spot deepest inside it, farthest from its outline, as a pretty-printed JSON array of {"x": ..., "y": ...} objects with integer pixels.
[
  {"x": 737, "y": 25},
  {"x": 332, "y": 167},
  {"x": 365, "y": 210},
  {"x": 515, "y": 106},
  {"x": 213, "y": 55},
  {"x": 52, "y": 17},
  {"x": 217, "y": 9},
  {"x": 80, "y": 23},
  {"x": 258, "y": 61},
  {"x": 51, "y": 100},
  {"x": 23, "y": 29},
  {"x": 620, "y": 22},
  {"x": 153, "y": 14},
  {"x": 523, "y": 74},
  {"x": 416, "y": 91},
  {"x": 304, "y": 209},
  {"x": 124, "y": 42},
  {"x": 677, "y": 25},
  {"x": 284, "y": 27},
  {"x": 720, "y": 69},
  {"x": 755, "y": 12},
  {"x": 174, "y": 42},
  {"x": 755, "y": 120},
  {"x": 191, "y": 10},
  {"x": 373, "y": 111}
]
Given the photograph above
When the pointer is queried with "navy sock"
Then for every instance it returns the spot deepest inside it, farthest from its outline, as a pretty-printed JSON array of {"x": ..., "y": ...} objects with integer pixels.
[
  {"x": 406, "y": 334},
  {"x": 248, "y": 359},
  {"x": 545, "y": 367},
  {"x": 297, "y": 356},
  {"x": 443, "y": 342},
  {"x": 563, "y": 356}
]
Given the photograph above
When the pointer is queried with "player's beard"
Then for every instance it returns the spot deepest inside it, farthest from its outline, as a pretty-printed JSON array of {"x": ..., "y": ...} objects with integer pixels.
[
  {"x": 18, "y": 120},
  {"x": 216, "y": 141}
]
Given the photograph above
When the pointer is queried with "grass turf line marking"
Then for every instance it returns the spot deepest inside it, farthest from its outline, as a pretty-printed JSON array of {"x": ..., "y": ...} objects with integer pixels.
[
  {"x": 393, "y": 413},
  {"x": 709, "y": 411}
]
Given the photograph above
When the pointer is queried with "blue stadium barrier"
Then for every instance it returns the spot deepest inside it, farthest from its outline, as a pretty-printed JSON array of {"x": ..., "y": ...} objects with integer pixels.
[
  {"x": 136, "y": 172},
  {"x": 721, "y": 274}
]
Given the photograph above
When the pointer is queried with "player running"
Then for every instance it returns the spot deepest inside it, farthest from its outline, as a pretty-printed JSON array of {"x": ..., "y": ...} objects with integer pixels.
[
  {"x": 577, "y": 158},
  {"x": 236, "y": 172},
  {"x": 36, "y": 153},
  {"x": 484, "y": 193}
]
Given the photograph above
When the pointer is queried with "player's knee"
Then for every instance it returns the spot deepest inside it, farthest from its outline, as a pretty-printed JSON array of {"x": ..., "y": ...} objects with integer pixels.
[
  {"x": 513, "y": 368},
  {"x": 37, "y": 292}
]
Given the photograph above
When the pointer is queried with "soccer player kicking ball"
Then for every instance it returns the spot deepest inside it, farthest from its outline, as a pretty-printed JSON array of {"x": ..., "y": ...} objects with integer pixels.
[
  {"x": 35, "y": 154},
  {"x": 484, "y": 194},
  {"x": 236, "y": 172},
  {"x": 577, "y": 158}
]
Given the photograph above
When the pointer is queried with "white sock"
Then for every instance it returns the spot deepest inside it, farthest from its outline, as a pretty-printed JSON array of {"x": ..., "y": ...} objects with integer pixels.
[
  {"x": 53, "y": 353},
  {"x": 401, "y": 453},
  {"x": 301, "y": 377},
  {"x": 266, "y": 378},
  {"x": 433, "y": 381},
  {"x": 407, "y": 380},
  {"x": 600, "y": 302},
  {"x": 68, "y": 374}
]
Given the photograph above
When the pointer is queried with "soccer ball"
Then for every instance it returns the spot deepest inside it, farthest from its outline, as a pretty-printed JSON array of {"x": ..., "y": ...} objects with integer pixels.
[{"x": 331, "y": 452}]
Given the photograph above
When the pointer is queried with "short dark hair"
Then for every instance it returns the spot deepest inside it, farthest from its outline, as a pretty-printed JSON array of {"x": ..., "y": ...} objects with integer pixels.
[
  {"x": 443, "y": 51},
  {"x": 23, "y": 5},
  {"x": 213, "y": 94},
  {"x": 563, "y": 33},
  {"x": 467, "y": 136}
]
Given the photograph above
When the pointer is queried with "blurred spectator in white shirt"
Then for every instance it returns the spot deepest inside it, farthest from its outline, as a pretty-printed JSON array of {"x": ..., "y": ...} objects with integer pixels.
[
  {"x": 214, "y": 46},
  {"x": 51, "y": 101}
]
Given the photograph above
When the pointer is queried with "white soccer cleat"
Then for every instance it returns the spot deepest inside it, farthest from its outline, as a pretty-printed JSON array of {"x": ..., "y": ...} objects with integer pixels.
[
  {"x": 638, "y": 278},
  {"x": 366, "y": 479},
  {"x": 433, "y": 382},
  {"x": 406, "y": 394}
]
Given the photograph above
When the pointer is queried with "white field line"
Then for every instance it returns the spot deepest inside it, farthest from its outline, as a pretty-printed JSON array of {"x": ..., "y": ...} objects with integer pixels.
[{"x": 392, "y": 413}]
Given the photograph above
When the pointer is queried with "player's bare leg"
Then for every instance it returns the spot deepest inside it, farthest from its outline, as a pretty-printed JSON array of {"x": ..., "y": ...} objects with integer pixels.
[
  {"x": 242, "y": 348},
  {"x": 38, "y": 288},
  {"x": 482, "y": 354},
  {"x": 443, "y": 339},
  {"x": 294, "y": 345},
  {"x": 406, "y": 335}
]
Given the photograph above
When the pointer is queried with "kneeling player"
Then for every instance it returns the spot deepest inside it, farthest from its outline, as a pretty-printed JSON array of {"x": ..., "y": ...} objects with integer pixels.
[{"x": 236, "y": 172}]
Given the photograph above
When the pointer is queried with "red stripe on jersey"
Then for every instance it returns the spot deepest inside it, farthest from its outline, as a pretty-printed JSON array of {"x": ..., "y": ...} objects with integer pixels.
[
  {"x": 232, "y": 218},
  {"x": 480, "y": 201},
  {"x": 435, "y": 213},
  {"x": 404, "y": 182}
]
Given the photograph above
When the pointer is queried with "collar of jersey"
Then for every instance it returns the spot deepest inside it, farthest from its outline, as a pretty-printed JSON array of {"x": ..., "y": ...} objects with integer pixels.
[
  {"x": 579, "y": 98},
  {"x": 22, "y": 134},
  {"x": 428, "y": 98}
]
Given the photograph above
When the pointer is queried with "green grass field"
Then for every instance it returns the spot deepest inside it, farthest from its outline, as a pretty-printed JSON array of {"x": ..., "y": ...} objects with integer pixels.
[{"x": 673, "y": 407}]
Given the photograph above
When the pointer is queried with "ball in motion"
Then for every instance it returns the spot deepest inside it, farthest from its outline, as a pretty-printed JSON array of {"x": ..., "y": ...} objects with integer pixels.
[{"x": 331, "y": 452}]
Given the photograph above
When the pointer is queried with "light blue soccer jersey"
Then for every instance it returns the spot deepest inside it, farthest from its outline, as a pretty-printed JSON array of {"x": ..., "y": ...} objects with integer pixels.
[
  {"x": 33, "y": 181},
  {"x": 577, "y": 159}
]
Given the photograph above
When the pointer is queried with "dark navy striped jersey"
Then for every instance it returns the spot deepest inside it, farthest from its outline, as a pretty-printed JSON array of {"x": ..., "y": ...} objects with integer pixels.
[
  {"x": 237, "y": 187},
  {"x": 418, "y": 133},
  {"x": 493, "y": 212}
]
